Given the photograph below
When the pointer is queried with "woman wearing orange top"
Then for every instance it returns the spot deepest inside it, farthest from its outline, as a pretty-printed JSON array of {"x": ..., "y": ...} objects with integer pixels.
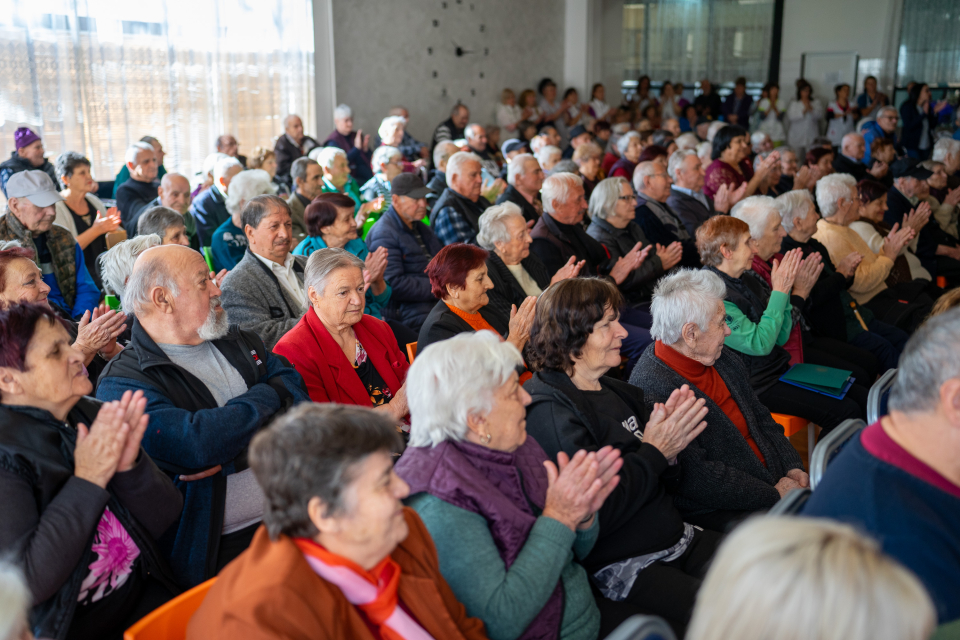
[{"x": 458, "y": 277}]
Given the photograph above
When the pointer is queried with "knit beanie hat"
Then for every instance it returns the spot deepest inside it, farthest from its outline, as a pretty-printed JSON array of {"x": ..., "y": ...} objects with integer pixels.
[{"x": 23, "y": 137}]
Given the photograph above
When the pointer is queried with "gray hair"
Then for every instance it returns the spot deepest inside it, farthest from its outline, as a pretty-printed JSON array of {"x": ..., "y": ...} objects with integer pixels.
[
  {"x": 223, "y": 166},
  {"x": 888, "y": 109},
  {"x": 131, "y": 155},
  {"x": 156, "y": 220},
  {"x": 10, "y": 244},
  {"x": 565, "y": 166},
  {"x": 314, "y": 450},
  {"x": 443, "y": 152},
  {"x": 625, "y": 139},
  {"x": 442, "y": 393},
  {"x": 210, "y": 162},
  {"x": 603, "y": 200},
  {"x": 546, "y": 152},
  {"x": 515, "y": 167},
  {"x": 144, "y": 277},
  {"x": 67, "y": 163},
  {"x": 558, "y": 188},
  {"x": 326, "y": 155},
  {"x": 704, "y": 149},
  {"x": 383, "y": 155},
  {"x": 116, "y": 264},
  {"x": 686, "y": 295},
  {"x": 390, "y": 124},
  {"x": 493, "y": 224},
  {"x": 249, "y": 184},
  {"x": 756, "y": 211},
  {"x": 259, "y": 208},
  {"x": 643, "y": 170},
  {"x": 342, "y": 111},
  {"x": 471, "y": 127},
  {"x": 793, "y": 205},
  {"x": 714, "y": 129},
  {"x": 676, "y": 161},
  {"x": 457, "y": 163},
  {"x": 687, "y": 141},
  {"x": 945, "y": 147},
  {"x": 831, "y": 188},
  {"x": 324, "y": 262},
  {"x": 289, "y": 117},
  {"x": 15, "y": 600},
  {"x": 928, "y": 360},
  {"x": 298, "y": 168}
]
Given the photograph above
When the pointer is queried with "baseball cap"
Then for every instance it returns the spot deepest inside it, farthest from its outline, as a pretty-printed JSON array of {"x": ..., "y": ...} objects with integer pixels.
[
  {"x": 578, "y": 131},
  {"x": 36, "y": 186},
  {"x": 409, "y": 185},
  {"x": 512, "y": 145},
  {"x": 909, "y": 168}
]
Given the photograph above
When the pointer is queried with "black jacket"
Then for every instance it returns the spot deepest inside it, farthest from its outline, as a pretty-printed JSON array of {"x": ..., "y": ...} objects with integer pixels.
[
  {"x": 511, "y": 194},
  {"x": 133, "y": 198},
  {"x": 468, "y": 210},
  {"x": 931, "y": 236},
  {"x": 638, "y": 286},
  {"x": 50, "y": 516},
  {"x": 912, "y": 124},
  {"x": 442, "y": 323},
  {"x": 659, "y": 233},
  {"x": 691, "y": 211},
  {"x": 286, "y": 152},
  {"x": 506, "y": 290},
  {"x": 843, "y": 164},
  {"x": 437, "y": 184},
  {"x": 720, "y": 470},
  {"x": 639, "y": 517},
  {"x": 16, "y": 164},
  {"x": 555, "y": 246}
]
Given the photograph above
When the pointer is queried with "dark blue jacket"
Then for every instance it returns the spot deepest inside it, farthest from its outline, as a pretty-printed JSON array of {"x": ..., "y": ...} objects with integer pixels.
[
  {"x": 911, "y": 129},
  {"x": 210, "y": 211},
  {"x": 189, "y": 432},
  {"x": 917, "y": 523},
  {"x": 412, "y": 297},
  {"x": 931, "y": 235},
  {"x": 870, "y": 132}
]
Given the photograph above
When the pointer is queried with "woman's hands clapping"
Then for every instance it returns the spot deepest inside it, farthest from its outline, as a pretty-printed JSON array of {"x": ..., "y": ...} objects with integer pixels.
[
  {"x": 783, "y": 273},
  {"x": 676, "y": 423},
  {"x": 112, "y": 443},
  {"x": 579, "y": 487},
  {"x": 520, "y": 322},
  {"x": 807, "y": 275},
  {"x": 98, "y": 331},
  {"x": 569, "y": 270}
]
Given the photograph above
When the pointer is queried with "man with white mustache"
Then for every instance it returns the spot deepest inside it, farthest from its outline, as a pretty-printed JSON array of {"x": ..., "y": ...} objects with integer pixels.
[
  {"x": 264, "y": 292},
  {"x": 210, "y": 387}
]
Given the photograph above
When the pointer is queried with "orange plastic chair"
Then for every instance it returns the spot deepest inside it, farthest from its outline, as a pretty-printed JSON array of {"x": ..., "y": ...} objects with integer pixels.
[
  {"x": 411, "y": 351},
  {"x": 795, "y": 424},
  {"x": 942, "y": 282},
  {"x": 169, "y": 622}
]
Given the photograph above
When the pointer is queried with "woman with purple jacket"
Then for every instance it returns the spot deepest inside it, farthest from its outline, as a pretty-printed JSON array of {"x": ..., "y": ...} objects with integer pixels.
[{"x": 509, "y": 526}]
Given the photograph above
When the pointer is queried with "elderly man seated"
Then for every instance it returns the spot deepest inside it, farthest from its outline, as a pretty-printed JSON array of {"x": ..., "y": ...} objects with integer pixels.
[
  {"x": 451, "y": 128},
  {"x": 264, "y": 292},
  {"x": 307, "y": 184},
  {"x": 291, "y": 145},
  {"x": 124, "y": 174},
  {"x": 686, "y": 197},
  {"x": 227, "y": 145},
  {"x": 229, "y": 242},
  {"x": 898, "y": 479},
  {"x": 353, "y": 143},
  {"x": 174, "y": 193},
  {"x": 525, "y": 179},
  {"x": 850, "y": 158},
  {"x": 134, "y": 195},
  {"x": 659, "y": 222},
  {"x": 477, "y": 141},
  {"x": 210, "y": 387},
  {"x": 210, "y": 209},
  {"x": 163, "y": 222},
  {"x": 885, "y": 126},
  {"x": 31, "y": 197},
  {"x": 742, "y": 462},
  {"x": 27, "y": 156},
  {"x": 947, "y": 151},
  {"x": 410, "y": 245},
  {"x": 455, "y": 216}
]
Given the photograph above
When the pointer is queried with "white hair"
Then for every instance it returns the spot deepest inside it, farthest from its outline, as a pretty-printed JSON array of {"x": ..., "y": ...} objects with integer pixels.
[
  {"x": 325, "y": 156},
  {"x": 831, "y": 188},
  {"x": 603, "y": 200},
  {"x": 143, "y": 278},
  {"x": 714, "y": 129},
  {"x": 383, "y": 155},
  {"x": 792, "y": 205},
  {"x": 757, "y": 138},
  {"x": 756, "y": 211},
  {"x": 945, "y": 147},
  {"x": 247, "y": 185},
  {"x": 133, "y": 150},
  {"x": 342, "y": 111},
  {"x": 704, "y": 150},
  {"x": 470, "y": 127},
  {"x": 643, "y": 170},
  {"x": 209, "y": 163},
  {"x": 15, "y": 600},
  {"x": 687, "y": 140},
  {"x": 456, "y": 165},
  {"x": 389, "y": 125},
  {"x": 443, "y": 393},
  {"x": 515, "y": 167},
  {"x": 10, "y": 244},
  {"x": 928, "y": 360},
  {"x": 781, "y": 577},
  {"x": 759, "y": 158},
  {"x": 544, "y": 155},
  {"x": 493, "y": 224},
  {"x": 625, "y": 139},
  {"x": 558, "y": 188},
  {"x": 887, "y": 109},
  {"x": 442, "y": 153},
  {"x": 324, "y": 262},
  {"x": 538, "y": 142},
  {"x": 676, "y": 161},
  {"x": 224, "y": 165},
  {"x": 686, "y": 295},
  {"x": 116, "y": 264}
]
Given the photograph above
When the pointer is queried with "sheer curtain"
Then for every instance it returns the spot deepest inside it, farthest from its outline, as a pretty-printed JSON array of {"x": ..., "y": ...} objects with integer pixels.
[
  {"x": 930, "y": 42},
  {"x": 95, "y": 75}
]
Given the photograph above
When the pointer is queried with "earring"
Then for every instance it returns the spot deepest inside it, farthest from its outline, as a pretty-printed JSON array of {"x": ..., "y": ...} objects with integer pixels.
[{"x": 487, "y": 438}]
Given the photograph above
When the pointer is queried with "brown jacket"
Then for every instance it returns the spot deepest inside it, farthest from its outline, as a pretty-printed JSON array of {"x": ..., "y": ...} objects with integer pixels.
[{"x": 271, "y": 592}]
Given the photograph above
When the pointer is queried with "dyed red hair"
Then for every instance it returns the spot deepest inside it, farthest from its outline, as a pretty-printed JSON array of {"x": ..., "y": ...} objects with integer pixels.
[
  {"x": 451, "y": 265},
  {"x": 18, "y": 323}
]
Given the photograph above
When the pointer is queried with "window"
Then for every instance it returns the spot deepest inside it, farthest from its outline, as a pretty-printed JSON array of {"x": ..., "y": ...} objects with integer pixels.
[
  {"x": 95, "y": 75},
  {"x": 929, "y": 42}
]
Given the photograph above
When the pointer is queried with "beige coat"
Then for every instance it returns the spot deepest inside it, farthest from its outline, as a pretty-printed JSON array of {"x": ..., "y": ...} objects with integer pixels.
[{"x": 871, "y": 274}]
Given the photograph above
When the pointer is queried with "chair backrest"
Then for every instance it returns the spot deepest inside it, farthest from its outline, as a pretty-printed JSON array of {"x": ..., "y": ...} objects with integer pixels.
[
  {"x": 411, "y": 351},
  {"x": 208, "y": 256},
  {"x": 169, "y": 622},
  {"x": 829, "y": 446},
  {"x": 791, "y": 504},
  {"x": 878, "y": 396},
  {"x": 643, "y": 628}
]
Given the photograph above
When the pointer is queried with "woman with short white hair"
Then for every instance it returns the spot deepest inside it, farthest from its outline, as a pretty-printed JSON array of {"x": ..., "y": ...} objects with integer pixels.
[
  {"x": 790, "y": 578},
  {"x": 391, "y": 130},
  {"x": 229, "y": 242},
  {"x": 116, "y": 264},
  {"x": 508, "y": 526},
  {"x": 629, "y": 147},
  {"x": 742, "y": 462},
  {"x": 548, "y": 156},
  {"x": 387, "y": 164},
  {"x": 337, "y": 179}
]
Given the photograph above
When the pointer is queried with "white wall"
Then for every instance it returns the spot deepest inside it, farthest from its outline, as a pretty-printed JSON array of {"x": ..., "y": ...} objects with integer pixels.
[{"x": 381, "y": 58}]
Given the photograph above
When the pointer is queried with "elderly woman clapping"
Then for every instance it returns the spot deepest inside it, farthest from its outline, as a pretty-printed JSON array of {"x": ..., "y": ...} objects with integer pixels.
[
  {"x": 458, "y": 277},
  {"x": 508, "y": 526},
  {"x": 343, "y": 354},
  {"x": 742, "y": 462},
  {"x": 514, "y": 271},
  {"x": 387, "y": 164},
  {"x": 83, "y": 505},
  {"x": 339, "y": 555}
]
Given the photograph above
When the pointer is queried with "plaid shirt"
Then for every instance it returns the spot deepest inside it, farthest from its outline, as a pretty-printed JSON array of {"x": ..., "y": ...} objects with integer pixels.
[{"x": 450, "y": 226}]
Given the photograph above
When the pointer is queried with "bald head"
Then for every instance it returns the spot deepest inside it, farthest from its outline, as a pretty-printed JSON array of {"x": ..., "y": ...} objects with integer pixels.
[
  {"x": 174, "y": 192},
  {"x": 853, "y": 146},
  {"x": 293, "y": 127}
]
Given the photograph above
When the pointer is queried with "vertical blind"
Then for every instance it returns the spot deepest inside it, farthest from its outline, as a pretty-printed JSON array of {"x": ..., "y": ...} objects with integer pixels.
[{"x": 95, "y": 75}]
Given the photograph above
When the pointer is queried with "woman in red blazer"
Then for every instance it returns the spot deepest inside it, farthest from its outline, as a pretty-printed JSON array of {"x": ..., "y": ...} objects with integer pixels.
[{"x": 343, "y": 355}]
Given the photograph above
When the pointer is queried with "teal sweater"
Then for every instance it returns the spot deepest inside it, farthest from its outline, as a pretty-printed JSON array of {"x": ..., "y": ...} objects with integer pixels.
[{"x": 508, "y": 600}]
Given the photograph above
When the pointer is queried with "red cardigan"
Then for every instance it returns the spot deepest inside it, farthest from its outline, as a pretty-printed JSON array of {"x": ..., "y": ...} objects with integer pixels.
[{"x": 330, "y": 377}]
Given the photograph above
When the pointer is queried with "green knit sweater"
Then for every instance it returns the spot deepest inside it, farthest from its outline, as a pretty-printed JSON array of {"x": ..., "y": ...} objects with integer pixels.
[{"x": 508, "y": 600}]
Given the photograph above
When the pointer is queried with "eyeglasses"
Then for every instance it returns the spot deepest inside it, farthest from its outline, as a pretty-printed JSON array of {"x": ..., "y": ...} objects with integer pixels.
[{"x": 627, "y": 198}]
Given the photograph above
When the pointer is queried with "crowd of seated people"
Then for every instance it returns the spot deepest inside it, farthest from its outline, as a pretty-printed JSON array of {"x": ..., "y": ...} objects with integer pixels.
[{"x": 594, "y": 305}]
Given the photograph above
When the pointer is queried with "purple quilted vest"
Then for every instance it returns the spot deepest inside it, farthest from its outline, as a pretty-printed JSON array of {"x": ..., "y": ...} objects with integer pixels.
[{"x": 499, "y": 486}]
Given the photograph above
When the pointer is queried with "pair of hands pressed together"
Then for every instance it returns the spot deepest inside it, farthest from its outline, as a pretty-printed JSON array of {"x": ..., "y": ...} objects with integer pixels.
[
  {"x": 578, "y": 486},
  {"x": 98, "y": 331},
  {"x": 111, "y": 444},
  {"x": 795, "y": 274},
  {"x": 629, "y": 262},
  {"x": 726, "y": 197}
]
